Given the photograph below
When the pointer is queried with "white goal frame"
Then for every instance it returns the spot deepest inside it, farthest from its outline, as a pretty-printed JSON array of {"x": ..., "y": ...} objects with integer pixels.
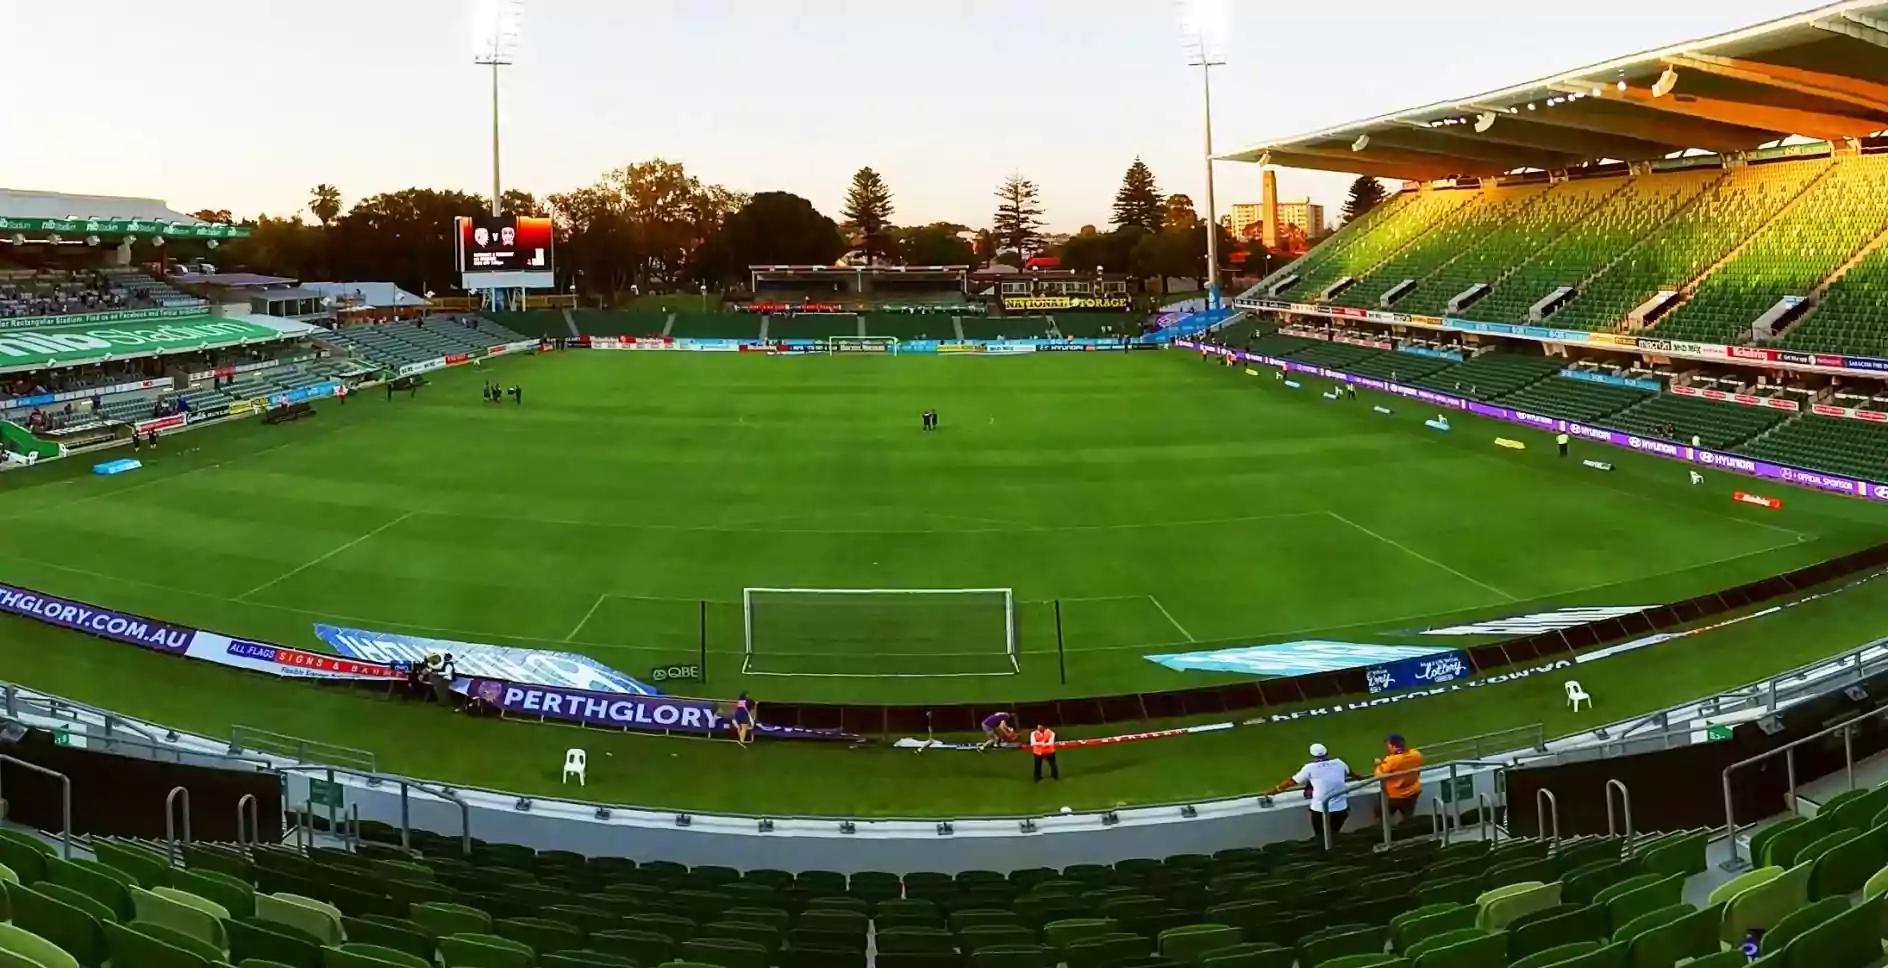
[
  {"x": 1009, "y": 631},
  {"x": 834, "y": 342}
]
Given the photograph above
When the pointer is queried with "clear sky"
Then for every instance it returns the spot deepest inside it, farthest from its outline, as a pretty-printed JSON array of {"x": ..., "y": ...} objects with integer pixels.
[{"x": 245, "y": 104}]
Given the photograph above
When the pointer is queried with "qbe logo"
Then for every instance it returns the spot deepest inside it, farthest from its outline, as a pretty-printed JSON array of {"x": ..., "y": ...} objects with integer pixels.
[{"x": 675, "y": 672}]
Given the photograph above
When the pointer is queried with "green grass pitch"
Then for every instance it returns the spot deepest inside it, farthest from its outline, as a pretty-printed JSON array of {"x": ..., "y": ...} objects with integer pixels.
[{"x": 1166, "y": 503}]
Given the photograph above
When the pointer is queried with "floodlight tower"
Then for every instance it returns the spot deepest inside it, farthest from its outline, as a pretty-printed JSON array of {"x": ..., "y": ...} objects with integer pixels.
[
  {"x": 495, "y": 28},
  {"x": 1203, "y": 31}
]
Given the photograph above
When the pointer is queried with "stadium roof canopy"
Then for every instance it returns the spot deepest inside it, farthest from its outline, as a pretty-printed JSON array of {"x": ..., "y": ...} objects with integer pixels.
[
  {"x": 15, "y": 203},
  {"x": 1822, "y": 75}
]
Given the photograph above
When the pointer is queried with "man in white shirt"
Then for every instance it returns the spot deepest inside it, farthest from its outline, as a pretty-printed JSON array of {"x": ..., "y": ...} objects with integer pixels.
[{"x": 1325, "y": 777}]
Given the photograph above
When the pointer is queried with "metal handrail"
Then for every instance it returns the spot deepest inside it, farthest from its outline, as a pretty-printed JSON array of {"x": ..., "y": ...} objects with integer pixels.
[
  {"x": 1438, "y": 820},
  {"x": 1485, "y": 810},
  {"x": 1542, "y": 814},
  {"x": 1383, "y": 797},
  {"x": 251, "y": 835},
  {"x": 1625, "y": 803},
  {"x": 442, "y": 792},
  {"x": 1788, "y": 751},
  {"x": 170, "y": 822},
  {"x": 65, "y": 806}
]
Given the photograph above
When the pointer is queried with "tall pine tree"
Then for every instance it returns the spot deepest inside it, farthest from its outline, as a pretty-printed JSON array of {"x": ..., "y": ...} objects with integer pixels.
[
  {"x": 869, "y": 207},
  {"x": 1018, "y": 222},
  {"x": 1137, "y": 203},
  {"x": 1366, "y": 193}
]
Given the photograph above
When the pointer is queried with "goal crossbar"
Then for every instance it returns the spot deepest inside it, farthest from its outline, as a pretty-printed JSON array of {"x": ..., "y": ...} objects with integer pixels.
[{"x": 890, "y": 643}]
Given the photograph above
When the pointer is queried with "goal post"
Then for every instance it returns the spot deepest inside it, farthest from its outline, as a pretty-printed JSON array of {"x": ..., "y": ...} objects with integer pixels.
[
  {"x": 909, "y": 633},
  {"x": 883, "y": 345}
]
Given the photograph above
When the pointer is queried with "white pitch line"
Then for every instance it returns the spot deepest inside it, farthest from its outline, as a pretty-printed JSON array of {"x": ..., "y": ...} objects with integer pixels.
[
  {"x": 1176, "y": 624},
  {"x": 586, "y": 616},
  {"x": 271, "y": 583},
  {"x": 1419, "y": 556}
]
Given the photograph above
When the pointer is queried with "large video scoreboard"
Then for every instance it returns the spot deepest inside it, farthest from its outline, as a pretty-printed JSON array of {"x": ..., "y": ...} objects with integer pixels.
[{"x": 505, "y": 252}]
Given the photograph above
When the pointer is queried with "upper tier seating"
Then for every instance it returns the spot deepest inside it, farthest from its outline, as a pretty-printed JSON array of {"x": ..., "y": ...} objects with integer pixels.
[
  {"x": 712, "y": 325},
  {"x": 1461, "y": 231},
  {"x": 910, "y": 326},
  {"x": 812, "y": 325},
  {"x": 1835, "y": 217},
  {"x": 1853, "y": 315},
  {"x": 1384, "y": 232},
  {"x": 1689, "y": 243},
  {"x": 1005, "y": 327},
  {"x": 613, "y": 323},
  {"x": 1489, "y": 258},
  {"x": 56, "y": 292}
]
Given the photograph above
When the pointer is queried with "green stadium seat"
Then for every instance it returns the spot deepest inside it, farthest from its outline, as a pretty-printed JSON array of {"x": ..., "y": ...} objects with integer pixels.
[
  {"x": 408, "y": 937},
  {"x": 1187, "y": 944},
  {"x": 28, "y": 950},
  {"x": 155, "y": 908},
  {"x": 1464, "y": 948},
  {"x": 1499, "y": 907},
  {"x": 642, "y": 947},
  {"x": 583, "y": 958},
  {"x": 1801, "y": 920},
  {"x": 1334, "y": 942},
  {"x": 359, "y": 955},
  {"x": 1581, "y": 924},
  {"x": 269, "y": 941},
  {"x": 484, "y": 951},
  {"x": 1413, "y": 928},
  {"x": 69, "y": 926}
]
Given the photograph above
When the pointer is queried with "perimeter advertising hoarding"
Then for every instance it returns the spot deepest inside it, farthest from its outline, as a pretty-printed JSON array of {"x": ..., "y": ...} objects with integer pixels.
[{"x": 505, "y": 252}]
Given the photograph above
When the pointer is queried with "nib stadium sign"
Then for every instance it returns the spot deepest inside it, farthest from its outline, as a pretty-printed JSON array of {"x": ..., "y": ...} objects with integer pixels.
[
  {"x": 68, "y": 345},
  {"x": 123, "y": 226}
]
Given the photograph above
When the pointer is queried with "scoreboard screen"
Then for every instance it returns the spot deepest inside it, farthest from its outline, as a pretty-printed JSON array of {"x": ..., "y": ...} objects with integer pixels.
[{"x": 504, "y": 244}]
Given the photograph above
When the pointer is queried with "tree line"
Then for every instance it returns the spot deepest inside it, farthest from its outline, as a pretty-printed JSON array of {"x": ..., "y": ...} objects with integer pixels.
[{"x": 653, "y": 226}]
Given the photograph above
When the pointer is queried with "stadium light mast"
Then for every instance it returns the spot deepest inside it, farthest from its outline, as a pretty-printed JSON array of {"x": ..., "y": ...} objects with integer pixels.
[
  {"x": 1203, "y": 30},
  {"x": 495, "y": 37}
]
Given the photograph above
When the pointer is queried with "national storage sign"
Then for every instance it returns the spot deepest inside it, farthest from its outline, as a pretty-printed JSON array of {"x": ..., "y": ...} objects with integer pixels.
[{"x": 66, "y": 345}]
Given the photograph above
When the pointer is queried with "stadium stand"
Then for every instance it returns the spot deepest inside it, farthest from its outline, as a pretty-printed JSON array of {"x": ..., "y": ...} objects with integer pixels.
[
  {"x": 1837, "y": 215},
  {"x": 1836, "y": 444},
  {"x": 813, "y": 325},
  {"x": 547, "y": 323},
  {"x": 1095, "y": 325},
  {"x": 610, "y": 323},
  {"x": 1487, "y": 259},
  {"x": 1336, "y": 356},
  {"x": 46, "y": 292},
  {"x": 1689, "y": 243},
  {"x": 1490, "y": 375},
  {"x": 1379, "y": 236},
  {"x": 398, "y": 344},
  {"x": 908, "y": 326},
  {"x": 1570, "y": 399},
  {"x": 712, "y": 325},
  {"x": 1852, "y": 316},
  {"x": 1398, "y": 367},
  {"x": 1580, "y": 902},
  {"x": 1716, "y": 425},
  {"x": 1004, "y": 327},
  {"x": 1451, "y": 237},
  {"x": 1592, "y": 244}
]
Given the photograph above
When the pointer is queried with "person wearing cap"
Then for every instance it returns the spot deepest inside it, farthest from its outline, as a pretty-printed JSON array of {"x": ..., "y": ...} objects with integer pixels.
[
  {"x": 1324, "y": 777},
  {"x": 1401, "y": 792}
]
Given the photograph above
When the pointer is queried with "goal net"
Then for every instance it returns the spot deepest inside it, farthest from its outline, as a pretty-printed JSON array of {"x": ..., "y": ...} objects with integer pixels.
[
  {"x": 861, "y": 344},
  {"x": 879, "y": 632}
]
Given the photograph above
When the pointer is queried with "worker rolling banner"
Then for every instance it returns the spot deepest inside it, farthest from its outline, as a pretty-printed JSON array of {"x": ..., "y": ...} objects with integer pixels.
[{"x": 1801, "y": 477}]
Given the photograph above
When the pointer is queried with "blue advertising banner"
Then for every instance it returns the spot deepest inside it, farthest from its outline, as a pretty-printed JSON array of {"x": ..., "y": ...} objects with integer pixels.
[
  {"x": 303, "y": 394},
  {"x": 651, "y": 714},
  {"x": 92, "y": 620},
  {"x": 1454, "y": 356},
  {"x": 1410, "y": 673},
  {"x": 1612, "y": 381},
  {"x": 536, "y": 666}
]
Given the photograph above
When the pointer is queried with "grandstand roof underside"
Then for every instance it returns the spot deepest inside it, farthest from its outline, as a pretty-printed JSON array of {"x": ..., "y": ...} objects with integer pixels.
[{"x": 1822, "y": 74}]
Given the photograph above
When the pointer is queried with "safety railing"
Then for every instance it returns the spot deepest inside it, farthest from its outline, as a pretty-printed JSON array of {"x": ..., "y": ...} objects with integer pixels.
[
  {"x": 65, "y": 805},
  {"x": 1454, "y": 768},
  {"x": 172, "y": 849},
  {"x": 1845, "y": 729},
  {"x": 1547, "y": 816},
  {"x": 406, "y": 787},
  {"x": 248, "y": 822},
  {"x": 243, "y": 738},
  {"x": 1625, "y": 805}
]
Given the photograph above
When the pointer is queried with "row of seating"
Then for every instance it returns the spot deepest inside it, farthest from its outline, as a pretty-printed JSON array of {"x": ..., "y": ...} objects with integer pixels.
[
  {"x": 1376, "y": 237},
  {"x": 1460, "y": 232},
  {"x": 1852, "y": 316},
  {"x": 1835, "y": 444},
  {"x": 1490, "y": 259}
]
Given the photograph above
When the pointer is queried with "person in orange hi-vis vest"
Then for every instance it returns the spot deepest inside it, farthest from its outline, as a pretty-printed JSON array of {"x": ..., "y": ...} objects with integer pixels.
[
  {"x": 1042, "y": 746},
  {"x": 1402, "y": 792}
]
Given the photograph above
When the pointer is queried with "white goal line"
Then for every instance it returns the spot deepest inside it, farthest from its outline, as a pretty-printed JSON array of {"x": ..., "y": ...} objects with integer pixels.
[{"x": 885, "y": 591}]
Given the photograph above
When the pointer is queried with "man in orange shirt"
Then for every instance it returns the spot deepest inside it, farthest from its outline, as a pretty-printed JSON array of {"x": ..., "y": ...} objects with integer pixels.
[
  {"x": 1042, "y": 746},
  {"x": 1402, "y": 792}
]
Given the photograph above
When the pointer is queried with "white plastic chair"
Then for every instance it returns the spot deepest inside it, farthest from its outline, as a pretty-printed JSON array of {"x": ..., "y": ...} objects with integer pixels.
[
  {"x": 575, "y": 762},
  {"x": 1577, "y": 695}
]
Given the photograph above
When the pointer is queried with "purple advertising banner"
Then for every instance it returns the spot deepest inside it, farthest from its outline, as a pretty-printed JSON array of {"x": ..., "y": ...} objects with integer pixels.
[
  {"x": 1799, "y": 477},
  {"x": 653, "y": 714},
  {"x": 93, "y": 620}
]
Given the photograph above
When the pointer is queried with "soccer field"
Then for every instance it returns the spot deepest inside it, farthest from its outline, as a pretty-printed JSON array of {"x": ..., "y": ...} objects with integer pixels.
[{"x": 1166, "y": 503}]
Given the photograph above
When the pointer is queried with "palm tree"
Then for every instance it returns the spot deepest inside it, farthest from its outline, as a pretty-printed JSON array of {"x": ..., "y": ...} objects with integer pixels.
[{"x": 325, "y": 202}]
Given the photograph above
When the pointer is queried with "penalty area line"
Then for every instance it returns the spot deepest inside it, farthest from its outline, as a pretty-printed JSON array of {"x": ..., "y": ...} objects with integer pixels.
[
  {"x": 1171, "y": 620},
  {"x": 1419, "y": 556},
  {"x": 586, "y": 617},
  {"x": 285, "y": 576}
]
